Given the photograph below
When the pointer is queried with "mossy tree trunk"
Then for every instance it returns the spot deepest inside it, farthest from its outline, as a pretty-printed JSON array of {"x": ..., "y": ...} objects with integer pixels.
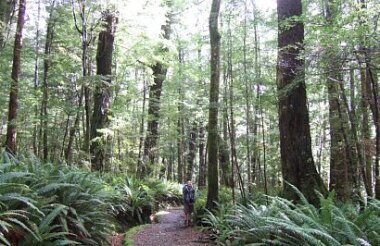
[
  {"x": 295, "y": 142},
  {"x": 102, "y": 95},
  {"x": 212, "y": 141}
]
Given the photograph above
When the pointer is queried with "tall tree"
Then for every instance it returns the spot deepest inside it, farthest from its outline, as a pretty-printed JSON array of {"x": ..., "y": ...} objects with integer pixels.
[
  {"x": 159, "y": 75},
  {"x": 339, "y": 154},
  {"x": 102, "y": 93},
  {"x": 295, "y": 142},
  {"x": 45, "y": 82},
  {"x": 10, "y": 143},
  {"x": 85, "y": 29},
  {"x": 372, "y": 91},
  {"x": 212, "y": 139},
  {"x": 36, "y": 76}
]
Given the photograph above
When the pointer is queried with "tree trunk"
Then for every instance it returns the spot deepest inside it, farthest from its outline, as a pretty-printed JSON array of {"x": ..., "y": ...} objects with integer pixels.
[
  {"x": 339, "y": 162},
  {"x": 232, "y": 130},
  {"x": 36, "y": 79},
  {"x": 226, "y": 176},
  {"x": 86, "y": 38},
  {"x": 169, "y": 173},
  {"x": 192, "y": 151},
  {"x": 248, "y": 92},
  {"x": 202, "y": 162},
  {"x": 45, "y": 85},
  {"x": 180, "y": 122},
  {"x": 256, "y": 155},
  {"x": 212, "y": 141},
  {"x": 373, "y": 87},
  {"x": 65, "y": 136},
  {"x": 180, "y": 164},
  {"x": 102, "y": 95},
  {"x": 74, "y": 128},
  {"x": 353, "y": 122},
  {"x": 295, "y": 142},
  {"x": 10, "y": 144},
  {"x": 142, "y": 125},
  {"x": 159, "y": 75}
]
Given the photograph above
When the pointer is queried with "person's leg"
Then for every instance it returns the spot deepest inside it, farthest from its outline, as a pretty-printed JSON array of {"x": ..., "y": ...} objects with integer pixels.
[
  {"x": 186, "y": 212},
  {"x": 190, "y": 212}
]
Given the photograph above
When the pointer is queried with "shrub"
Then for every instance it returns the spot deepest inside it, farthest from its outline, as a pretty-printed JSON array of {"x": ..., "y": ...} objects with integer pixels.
[
  {"x": 59, "y": 204},
  {"x": 284, "y": 223}
]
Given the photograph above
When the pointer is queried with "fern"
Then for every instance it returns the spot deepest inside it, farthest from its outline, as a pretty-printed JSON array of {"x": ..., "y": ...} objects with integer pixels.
[{"x": 284, "y": 223}]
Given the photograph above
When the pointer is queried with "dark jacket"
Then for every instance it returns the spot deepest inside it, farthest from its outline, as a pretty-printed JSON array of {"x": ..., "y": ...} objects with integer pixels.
[{"x": 188, "y": 194}]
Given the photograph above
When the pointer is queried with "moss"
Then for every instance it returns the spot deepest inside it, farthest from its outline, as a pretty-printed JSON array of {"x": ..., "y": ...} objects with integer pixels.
[{"x": 128, "y": 239}]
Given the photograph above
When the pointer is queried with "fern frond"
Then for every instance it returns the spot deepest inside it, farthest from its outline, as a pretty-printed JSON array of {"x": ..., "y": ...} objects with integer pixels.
[{"x": 4, "y": 240}]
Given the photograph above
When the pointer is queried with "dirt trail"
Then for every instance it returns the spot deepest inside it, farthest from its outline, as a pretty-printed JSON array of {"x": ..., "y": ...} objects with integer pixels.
[{"x": 170, "y": 231}]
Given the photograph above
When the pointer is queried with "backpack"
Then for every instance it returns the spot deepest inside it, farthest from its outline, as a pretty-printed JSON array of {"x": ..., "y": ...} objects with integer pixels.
[{"x": 189, "y": 194}]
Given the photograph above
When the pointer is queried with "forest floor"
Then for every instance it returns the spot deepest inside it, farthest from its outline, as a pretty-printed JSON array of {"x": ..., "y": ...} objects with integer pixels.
[{"x": 170, "y": 231}]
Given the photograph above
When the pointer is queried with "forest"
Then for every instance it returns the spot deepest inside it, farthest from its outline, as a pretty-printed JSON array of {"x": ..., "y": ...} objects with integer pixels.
[{"x": 270, "y": 107}]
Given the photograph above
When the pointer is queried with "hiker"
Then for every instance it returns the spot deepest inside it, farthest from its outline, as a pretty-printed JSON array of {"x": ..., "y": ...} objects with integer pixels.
[{"x": 188, "y": 193}]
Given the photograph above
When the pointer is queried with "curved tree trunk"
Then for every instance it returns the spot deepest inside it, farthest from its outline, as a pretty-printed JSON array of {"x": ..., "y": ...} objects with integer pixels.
[
  {"x": 10, "y": 143},
  {"x": 295, "y": 142}
]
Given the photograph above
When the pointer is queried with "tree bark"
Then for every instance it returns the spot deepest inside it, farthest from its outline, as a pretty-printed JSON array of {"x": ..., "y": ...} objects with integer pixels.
[
  {"x": 73, "y": 129},
  {"x": 142, "y": 125},
  {"x": 373, "y": 90},
  {"x": 226, "y": 175},
  {"x": 366, "y": 134},
  {"x": 192, "y": 151},
  {"x": 359, "y": 152},
  {"x": 295, "y": 142},
  {"x": 212, "y": 141},
  {"x": 180, "y": 159},
  {"x": 10, "y": 144},
  {"x": 45, "y": 85},
  {"x": 102, "y": 95},
  {"x": 180, "y": 122},
  {"x": 339, "y": 161},
  {"x": 248, "y": 92},
  {"x": 36, "y": 79},
  {"x": 202, "y": 162}
]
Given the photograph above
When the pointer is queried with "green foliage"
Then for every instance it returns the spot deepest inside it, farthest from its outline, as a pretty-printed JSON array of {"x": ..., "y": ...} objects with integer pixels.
[
  {"x": 200, "y": 211},
  {"x": 61, "y": 205},
  {"x": 138, "y": 199},
  {"x": 283, "y": 223},
  {"x": 54, "y": 204}
]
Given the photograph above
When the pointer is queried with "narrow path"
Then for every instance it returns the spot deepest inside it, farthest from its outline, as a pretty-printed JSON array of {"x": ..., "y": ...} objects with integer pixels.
[{"x": 170, "y": 231}]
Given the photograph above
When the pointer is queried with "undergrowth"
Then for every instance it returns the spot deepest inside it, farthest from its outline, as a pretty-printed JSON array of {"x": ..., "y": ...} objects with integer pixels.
[
  {"x": 57, "y": 204},
  {"x": 283, "y": 223}
]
